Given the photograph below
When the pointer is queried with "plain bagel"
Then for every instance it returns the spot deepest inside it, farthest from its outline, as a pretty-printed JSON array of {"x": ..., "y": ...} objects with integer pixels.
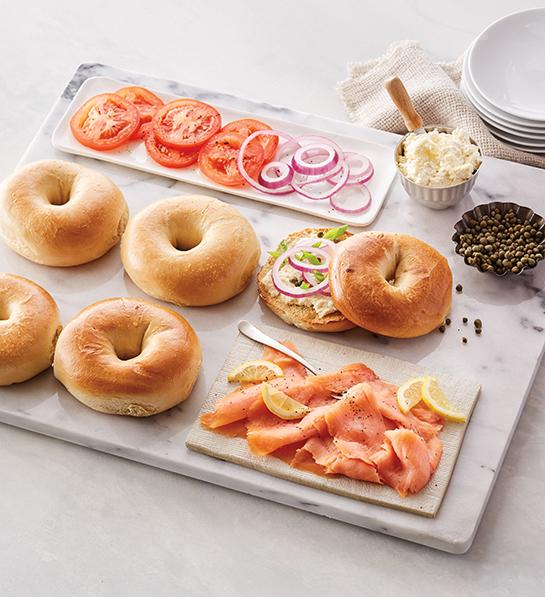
[
  {"x": 391, "y": 284},
  {"x": 190, "y": 250},
  {"x": 61, "y": 214},
  {"x": 128, "y": 356},
  {"x": 29, "y": 327}
]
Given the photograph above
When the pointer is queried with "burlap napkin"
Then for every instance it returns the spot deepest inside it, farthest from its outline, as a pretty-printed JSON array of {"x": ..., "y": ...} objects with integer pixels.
[{"x": 434, "y": 90}]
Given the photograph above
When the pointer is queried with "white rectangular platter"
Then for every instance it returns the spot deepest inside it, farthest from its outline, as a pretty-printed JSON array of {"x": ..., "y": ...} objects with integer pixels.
[
  {"x": 328, "y": 356},
  {"x": 134, "y": 156},
  {"x": 503, "y": 360}
]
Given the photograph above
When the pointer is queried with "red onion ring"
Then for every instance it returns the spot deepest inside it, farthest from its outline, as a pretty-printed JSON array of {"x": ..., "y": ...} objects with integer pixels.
[
  {"x": 291, "y": 291},
  {"x": 310, "y": 279},
  {"x": 328, "y": 245},
  {"x": 240, "y": 163},
  {"x": 334, "y": 201},
  {"x": 309, "y": 267},
  {"x": 319, "y": 195},
  {"x": 284, "y": 175},
  {"x": 301, "y": 160}
]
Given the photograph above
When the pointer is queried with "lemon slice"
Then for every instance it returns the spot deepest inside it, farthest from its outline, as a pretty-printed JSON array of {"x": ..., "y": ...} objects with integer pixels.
[
  {"x": 435, "y": 398},
  {"x": 410, "y": 394},
  {"x": 254, "y": 371},
  {"x": 281, "y": 404}
]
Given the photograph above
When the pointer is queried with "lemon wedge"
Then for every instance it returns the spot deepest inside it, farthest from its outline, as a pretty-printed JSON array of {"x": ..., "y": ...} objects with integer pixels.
[
  {"x": 254, "y": 371},
  {"x": 435, "y": 398},
  {"x": 410, "y": 394},
  {"x": 281, "y": 404}
]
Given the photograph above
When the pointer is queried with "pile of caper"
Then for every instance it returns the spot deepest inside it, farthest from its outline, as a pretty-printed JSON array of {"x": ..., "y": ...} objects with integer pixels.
[{"x": 501, "y": 242}]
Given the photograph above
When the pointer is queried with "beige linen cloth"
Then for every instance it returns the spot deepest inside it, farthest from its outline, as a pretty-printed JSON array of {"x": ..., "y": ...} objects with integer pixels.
[{"x": 433, "y": 88}]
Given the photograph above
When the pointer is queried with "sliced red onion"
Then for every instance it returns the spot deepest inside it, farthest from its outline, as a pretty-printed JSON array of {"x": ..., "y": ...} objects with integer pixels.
[
  {"x": 304, "y": 140},
  {"x": 276, "y": 175},
  {"x": 288, "y": 290},
  {"x": 352, "y": 199},
  {"x": 240, "y": 163},
  {"x": 304, "y": 181},
  {"x": 319, "y": 194},
  {"x": 310, "y": 279},
  {"x": 309, "y": 267},
  {"x": 315, "y": 158},
  {"x": 361, "y": 169},
  {"x": 326, "y": 244}
]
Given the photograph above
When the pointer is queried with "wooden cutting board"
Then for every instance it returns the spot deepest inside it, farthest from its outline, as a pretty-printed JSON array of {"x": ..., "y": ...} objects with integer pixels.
[{"x": 328, "y": 356}]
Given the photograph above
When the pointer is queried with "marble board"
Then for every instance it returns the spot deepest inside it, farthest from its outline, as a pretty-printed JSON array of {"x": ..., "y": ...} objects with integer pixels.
[
  {"x": 134, "y": 155},
  {"x": 503, "y": 360}
]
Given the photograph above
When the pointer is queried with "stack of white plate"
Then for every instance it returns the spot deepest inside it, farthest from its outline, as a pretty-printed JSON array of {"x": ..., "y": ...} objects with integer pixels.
[{"x": 504, "y": 79}]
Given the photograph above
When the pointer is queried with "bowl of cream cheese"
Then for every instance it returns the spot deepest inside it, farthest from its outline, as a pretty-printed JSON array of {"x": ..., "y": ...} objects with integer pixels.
[{"x": 438, "y": 167}]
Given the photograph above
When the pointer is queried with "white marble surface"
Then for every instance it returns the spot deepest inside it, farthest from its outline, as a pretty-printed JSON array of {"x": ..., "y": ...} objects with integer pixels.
[{"x": 71, "y": 518}]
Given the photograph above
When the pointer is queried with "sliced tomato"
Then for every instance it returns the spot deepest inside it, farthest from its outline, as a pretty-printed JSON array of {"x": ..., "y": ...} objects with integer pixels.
[
  {"x": 166, "y": 156},
  {"x": 186, "y": 124},
  {"x": 218, "y": 159},
  {"x": 146, "y": 102},
  {"x": 104, "y": 122},
  {"x": 141, "y": 132},
  {"x": 247, "y": 126}
]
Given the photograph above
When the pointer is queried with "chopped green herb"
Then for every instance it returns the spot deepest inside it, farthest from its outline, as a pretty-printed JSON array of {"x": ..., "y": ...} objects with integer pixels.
[
  {"x": 282, "y": 248},
  {"x": 318, "y": 244},
  {"x": 305, "y": 255},
  {"x": 319, "y": 276},
  {"x": 304, "y": 285},
  {"x": 334, "y": 233}
]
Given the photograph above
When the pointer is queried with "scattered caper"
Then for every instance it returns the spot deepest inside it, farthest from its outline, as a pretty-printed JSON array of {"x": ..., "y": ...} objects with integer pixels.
[
  {"x": 442, "y": 329},
  {"x": 447, "y": 321},
  {"x": 464, "y": 340},
  {"x": 459, "y": 288},
  {"x": 478, "y": 330},
  {"x": 464, "y": 319},
  {"x": 478, "y": 323}
]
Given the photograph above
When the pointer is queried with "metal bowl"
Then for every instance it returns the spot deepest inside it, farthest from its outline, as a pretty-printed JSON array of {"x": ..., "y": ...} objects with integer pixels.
[
  {"x": 436, "y": 197},
  {"x": 526, "y": 214}
]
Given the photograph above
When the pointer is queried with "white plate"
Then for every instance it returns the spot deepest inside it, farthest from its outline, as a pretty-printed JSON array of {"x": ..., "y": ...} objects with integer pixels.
[
  {"x": 507, "y": 64},
  {"x": 531, "y": 141},
  {"x": 494, "y": 113},
  {"x": 522, "y": 141},
  {"x": 134, "y": 156}
]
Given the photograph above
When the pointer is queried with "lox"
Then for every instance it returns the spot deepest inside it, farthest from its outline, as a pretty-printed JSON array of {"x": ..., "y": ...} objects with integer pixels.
[{"x": 364, "y": 436}]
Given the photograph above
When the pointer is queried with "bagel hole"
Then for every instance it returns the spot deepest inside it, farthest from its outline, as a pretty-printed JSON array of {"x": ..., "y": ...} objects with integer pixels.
[
  {"x": 4, "y": 312},
  {"x": 187, "y": 241},
  {"x": 129, "y": 343},
  {"x": 57, "y": 191}
]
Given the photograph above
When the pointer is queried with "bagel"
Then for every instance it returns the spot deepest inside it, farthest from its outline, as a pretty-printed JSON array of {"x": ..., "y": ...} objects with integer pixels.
[
  {"x": 314, "y": 314},
  {"x": 29, "y": 327},
  {"x": 391, "y": 284},
  {"x": 127, "y": 356},
  {"x": 190, "y": 251},
  {"x": 61, "y": 214}
]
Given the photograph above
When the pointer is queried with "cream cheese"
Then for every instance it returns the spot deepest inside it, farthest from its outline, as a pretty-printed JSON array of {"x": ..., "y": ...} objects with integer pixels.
[
  {"x": 437, "y": 159},
  {"x": 322, "y": 304}
]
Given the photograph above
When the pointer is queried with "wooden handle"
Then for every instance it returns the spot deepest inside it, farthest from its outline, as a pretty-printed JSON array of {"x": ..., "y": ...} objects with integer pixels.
[{"x": 401, "y": 99}]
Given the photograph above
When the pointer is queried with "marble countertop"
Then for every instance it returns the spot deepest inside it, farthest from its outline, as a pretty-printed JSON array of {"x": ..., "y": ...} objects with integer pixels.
[{"x": 77, "y": 522}]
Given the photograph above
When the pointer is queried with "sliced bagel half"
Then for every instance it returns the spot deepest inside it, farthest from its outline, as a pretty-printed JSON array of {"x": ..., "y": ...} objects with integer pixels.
[{"x": 316, "y": 313}]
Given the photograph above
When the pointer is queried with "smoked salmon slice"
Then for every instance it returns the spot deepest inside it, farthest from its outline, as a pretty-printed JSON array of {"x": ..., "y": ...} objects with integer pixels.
[{"x": 363, "y": 436}]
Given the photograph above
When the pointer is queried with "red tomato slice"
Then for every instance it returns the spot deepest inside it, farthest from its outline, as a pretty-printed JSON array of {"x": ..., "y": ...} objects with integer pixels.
[
  {"x": 218, "y": 159},
  {"x": 141, "y": 132},
  {"x": 247, "y": 126},
  {"x": 186, "y": 124},
  {"x": 166, "y": 156},
  {"x": 104, "y": 122},
  {"x": 146, "y": 102}
]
